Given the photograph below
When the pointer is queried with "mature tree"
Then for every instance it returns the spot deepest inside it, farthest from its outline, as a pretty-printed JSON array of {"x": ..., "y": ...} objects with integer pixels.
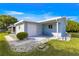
[
  {"x": 6, "y": 20},
  {"x": 72, "y": 26}
]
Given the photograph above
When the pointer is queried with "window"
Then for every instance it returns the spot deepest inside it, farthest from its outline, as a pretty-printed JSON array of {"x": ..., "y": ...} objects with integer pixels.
[{"x": 50, "y": 26}]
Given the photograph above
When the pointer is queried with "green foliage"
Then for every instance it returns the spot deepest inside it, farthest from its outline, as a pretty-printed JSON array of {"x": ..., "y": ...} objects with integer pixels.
[
  {"x": 72, "y": 26},
  {"x": 6, "y": 20},
  {"x": 22, "y": 35}
]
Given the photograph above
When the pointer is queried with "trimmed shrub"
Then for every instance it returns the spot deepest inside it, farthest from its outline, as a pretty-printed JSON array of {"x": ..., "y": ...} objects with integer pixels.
[{"x": 22, "y": 35}]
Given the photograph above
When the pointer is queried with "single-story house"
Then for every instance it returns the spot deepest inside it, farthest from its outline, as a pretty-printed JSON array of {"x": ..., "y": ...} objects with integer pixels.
[{"x": 55, "y": 27}]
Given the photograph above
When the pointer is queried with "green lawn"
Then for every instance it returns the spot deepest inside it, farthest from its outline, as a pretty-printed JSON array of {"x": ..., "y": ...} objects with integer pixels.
[{"x": 56, "y": 47}]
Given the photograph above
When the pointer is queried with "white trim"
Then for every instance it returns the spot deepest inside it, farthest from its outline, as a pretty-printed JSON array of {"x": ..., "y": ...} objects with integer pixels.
[
  {"x": 55, "y": 18},
  {"x": 22, "y": 21},
  {"x": 57, "y": 26}
]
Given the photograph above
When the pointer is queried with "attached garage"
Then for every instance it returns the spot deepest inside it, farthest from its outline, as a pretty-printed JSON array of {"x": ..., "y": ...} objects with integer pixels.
[{"x": 32, "y": 29}]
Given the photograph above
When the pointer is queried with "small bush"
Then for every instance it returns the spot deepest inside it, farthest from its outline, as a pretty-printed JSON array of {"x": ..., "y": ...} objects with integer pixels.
[{"x": 22, "y": 35}]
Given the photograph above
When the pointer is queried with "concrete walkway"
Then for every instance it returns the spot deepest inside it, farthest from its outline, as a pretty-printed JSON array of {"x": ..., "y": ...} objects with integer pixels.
[
  {"x": 26, "y": 45},
  {"x": 21, "y": 46}
]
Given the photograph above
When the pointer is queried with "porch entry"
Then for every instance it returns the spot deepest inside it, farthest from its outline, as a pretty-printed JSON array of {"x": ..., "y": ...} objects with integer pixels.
[{"x": 51, "y": 29}]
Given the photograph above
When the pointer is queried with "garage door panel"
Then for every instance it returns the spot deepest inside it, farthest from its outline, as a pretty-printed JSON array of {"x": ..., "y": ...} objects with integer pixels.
[{"x": 32, "y": 29}]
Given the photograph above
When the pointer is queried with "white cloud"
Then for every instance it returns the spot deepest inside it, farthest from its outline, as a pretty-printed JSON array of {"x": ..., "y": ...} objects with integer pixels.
[
  {"x": 76, "y": 18},
  {"x": 72, "y": 17},
  {"x": 13, "y": 13},
  {"x": 29, "y": 18},
  {"x": 25, "y": 16},
  {"x": 48, "y": 15},
  {"x": 37, "y": 17}
]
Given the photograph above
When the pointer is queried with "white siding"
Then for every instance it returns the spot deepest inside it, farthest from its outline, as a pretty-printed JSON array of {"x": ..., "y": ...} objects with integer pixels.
[
  {"x": 48, "y": 31},
  {"x": 19, "y": 28},
  {"x": 25, "y": 27},
  {"x": 32, "y": 29},
  {"x": 53, "y": 31},
  {"x": 39, "y": 29},
  {"x": 35, "y": 29},
  {"x": 62, "y": 28}
]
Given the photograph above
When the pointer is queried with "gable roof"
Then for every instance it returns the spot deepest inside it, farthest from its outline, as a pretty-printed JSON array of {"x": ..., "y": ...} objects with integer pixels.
[{"x": 51, "y": 19}]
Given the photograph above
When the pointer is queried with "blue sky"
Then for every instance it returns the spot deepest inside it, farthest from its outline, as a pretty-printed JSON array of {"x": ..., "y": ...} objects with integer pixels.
[{"x": 40, "y": 11}]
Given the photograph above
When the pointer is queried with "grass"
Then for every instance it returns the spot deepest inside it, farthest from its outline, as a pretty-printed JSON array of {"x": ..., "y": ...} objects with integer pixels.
[
  {"x": 56, "y": 48},
  {"x": 65, "y": 48},
  {"x": 76, "y": 35}
]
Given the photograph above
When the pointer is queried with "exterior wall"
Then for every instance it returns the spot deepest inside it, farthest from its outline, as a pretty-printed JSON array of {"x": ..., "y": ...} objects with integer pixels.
[
  {"x": 62, "y": 28},
  {"x": 53, "y": 31},
  {"x": 11, "y": 30},
  {"x": 47, "y": 31},
  {"x": 33, "y": 29},
  {"x": 19, "y": 28},
  {"x": 25, "y": 27},
  {"x": 39, "y": 29}
]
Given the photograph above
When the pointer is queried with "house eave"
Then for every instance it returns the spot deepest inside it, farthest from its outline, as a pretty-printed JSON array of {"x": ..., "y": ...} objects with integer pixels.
[
  {"x": 51, "y": 19},
  {"x": 44, "y": 21},
  {"x": 24, "y": 21},
  {"x": 56, "y": 19}
]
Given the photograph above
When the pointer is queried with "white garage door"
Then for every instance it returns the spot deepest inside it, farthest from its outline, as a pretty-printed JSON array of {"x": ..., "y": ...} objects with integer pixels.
[{"x": 32, "y": 29}]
